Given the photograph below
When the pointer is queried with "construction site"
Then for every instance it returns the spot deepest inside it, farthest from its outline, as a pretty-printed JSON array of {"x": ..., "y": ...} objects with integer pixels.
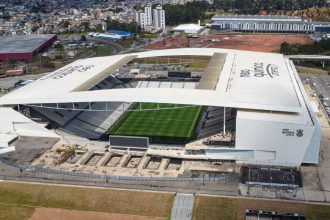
[
  {"x": 126, "y": 162},
  {"x": 251, "y": 42}
]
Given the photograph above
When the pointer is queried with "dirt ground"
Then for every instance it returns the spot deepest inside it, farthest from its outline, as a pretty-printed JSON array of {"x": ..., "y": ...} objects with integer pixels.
[
  {"x": 251, "y": 42},
  {"x": 63, "y": 214}
]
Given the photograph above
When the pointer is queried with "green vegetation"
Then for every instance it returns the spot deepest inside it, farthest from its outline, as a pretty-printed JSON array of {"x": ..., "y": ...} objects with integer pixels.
[
  {"x": 122, "y": 26},
  {"x": 310, "y": 70},
  {"x": 316, "y": 212},
  {"x": 214, "y": 208},
  {"x": 172, "y": 125},
  {"x": 103, "y": 200},
  {"x": 254, "y": 6},
  {"x": 188, "y": 13},
  {"x": 14, "y": 212},
  {"x": 317, "y": 14},
  {"x": 194, "y": 11},
  {"x": 148, "y": 35},
  {"x": 220, "y": 208},
  {"x": 102, "y": 51},
  {"x": 321, "y": 47}
]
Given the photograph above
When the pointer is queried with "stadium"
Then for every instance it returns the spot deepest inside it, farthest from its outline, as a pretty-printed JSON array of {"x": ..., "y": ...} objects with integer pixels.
[{"x": 209, "y": 104}]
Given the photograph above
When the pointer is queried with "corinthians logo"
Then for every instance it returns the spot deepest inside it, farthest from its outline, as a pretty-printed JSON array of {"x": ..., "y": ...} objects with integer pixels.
[
  {"x": 300, "y": 133},
  {"x": 261, "y": 70}
]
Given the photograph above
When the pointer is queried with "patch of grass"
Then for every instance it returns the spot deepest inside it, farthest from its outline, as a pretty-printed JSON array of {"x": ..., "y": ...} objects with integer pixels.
[
  {"x": 103, "y": 200},
  {"x": 148, "y": 35},
  {"x": 13, "y": 212},
  {"x": 308, "y": 70},
  {"x": 316, "y": 212},
  {"x": 214, "y": 208},
  {"x": 218, "y": 208},
  {"x": 102, "y": 51},
  {"x": 174, "y": 125}
]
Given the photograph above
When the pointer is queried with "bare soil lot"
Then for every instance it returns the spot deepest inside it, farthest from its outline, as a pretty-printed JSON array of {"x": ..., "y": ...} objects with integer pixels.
[{"x": 251, "y": 42}]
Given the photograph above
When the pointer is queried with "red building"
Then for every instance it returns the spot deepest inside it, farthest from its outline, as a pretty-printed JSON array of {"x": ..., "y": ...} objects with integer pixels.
[{"x": 23, "y": 47}]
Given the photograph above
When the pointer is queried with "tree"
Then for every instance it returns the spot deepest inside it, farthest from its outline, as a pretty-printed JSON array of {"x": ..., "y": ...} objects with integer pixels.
[
  {"x": 59, "y": 46},
  {"x": 190, "y": 12},
  {"x": 83, "y": 38},
  {"x": 285, "y": 48},
  {"x": 12, "y": 61},
  {"x": 65, "y": 24},
  {"x": 85, "y": 25},
  {"x": 34, "y": 29}
]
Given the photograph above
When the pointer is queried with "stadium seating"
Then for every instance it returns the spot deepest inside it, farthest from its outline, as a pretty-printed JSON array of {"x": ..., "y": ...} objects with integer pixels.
[
  {"x": 165, "y": 85},
  {"x": 153, "y": 84},
  {"x": 212, "y": 123},
  {"x": 177, "y": 85}
]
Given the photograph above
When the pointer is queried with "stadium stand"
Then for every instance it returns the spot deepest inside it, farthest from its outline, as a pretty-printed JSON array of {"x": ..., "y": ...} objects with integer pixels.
[
  {"x": 212, "y": 122},
  {"x": 177, "y": 85},
  {"x": 154, "y": 84},
  {"x": 89, "y": 124},
  {"x": 165, "y": 85},
  {"x": 189, "y": 85}
]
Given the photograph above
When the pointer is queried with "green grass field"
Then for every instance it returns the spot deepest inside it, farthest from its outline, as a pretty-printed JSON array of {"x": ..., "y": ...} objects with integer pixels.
[
  {"x": 19, "y": 200},
  {"x": 162, "y": 125}
]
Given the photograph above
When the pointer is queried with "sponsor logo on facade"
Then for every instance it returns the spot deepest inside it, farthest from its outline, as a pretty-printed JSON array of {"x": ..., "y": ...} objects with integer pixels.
[
  {"x": 261, "y": 70},
  {"x": 289, "y": 133},
  {"x": 59, "y": 74}
]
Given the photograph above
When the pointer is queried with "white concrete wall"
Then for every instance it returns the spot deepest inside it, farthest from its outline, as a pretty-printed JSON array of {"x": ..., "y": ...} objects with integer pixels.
[{"x": 263, "y": 135}]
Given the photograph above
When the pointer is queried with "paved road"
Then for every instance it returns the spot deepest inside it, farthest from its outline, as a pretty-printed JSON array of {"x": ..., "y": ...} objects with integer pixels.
[
  {"x": 309, "y": 57},
  {"x": 182, "y": 206},
  {"x": 9, "y": 82},
  {"x": 320, "y": 83}
]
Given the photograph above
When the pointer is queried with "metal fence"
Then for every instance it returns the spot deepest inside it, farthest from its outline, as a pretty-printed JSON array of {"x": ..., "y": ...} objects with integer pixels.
[{"x": 112, "y": 177}]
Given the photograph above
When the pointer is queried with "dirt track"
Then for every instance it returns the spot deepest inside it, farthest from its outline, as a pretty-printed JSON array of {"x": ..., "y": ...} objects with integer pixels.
[{"x": 252, "y": 42}]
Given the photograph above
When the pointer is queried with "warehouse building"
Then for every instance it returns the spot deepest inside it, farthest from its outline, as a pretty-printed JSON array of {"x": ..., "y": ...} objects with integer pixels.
[
  {"x": 273, "y": 24},
  {"x": 24, "y": 47}
]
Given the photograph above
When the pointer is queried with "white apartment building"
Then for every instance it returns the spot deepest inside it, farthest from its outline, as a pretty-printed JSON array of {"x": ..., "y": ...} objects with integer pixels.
[
  {"x": 148, "y": 15},
  {"x": 159, "y": 18},
  {"x": 150, "y": 19},
  {"x": 140, "y": 18}
]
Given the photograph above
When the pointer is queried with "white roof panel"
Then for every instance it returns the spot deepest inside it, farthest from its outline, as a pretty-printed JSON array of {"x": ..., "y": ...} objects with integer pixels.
[
  {"x": 250, "y": 80},
  {"x": 258, "y": 78}
]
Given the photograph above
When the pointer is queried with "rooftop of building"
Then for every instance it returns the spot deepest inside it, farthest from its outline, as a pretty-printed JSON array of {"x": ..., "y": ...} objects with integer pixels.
[{"x": 22, "y": 43}]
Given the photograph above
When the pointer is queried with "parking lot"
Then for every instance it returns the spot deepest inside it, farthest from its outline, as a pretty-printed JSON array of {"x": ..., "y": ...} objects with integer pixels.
[{"x": 321, "y": 85}]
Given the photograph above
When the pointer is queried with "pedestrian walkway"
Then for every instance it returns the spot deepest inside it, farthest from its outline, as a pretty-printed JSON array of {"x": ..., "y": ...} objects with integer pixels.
[{"x": 182, "y": 207}]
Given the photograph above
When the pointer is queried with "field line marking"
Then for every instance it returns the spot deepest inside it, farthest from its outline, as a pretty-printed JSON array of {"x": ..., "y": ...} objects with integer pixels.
[{"x": 195, "y": 119}]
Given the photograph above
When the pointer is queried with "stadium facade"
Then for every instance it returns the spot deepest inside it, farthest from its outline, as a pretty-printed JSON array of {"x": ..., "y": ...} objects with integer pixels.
[
  {"x": 259, "y": 23},
  {"x": 273, "y": 122}
]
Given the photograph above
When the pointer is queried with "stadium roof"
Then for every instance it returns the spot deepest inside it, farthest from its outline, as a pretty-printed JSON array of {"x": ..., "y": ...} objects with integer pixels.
[
  {"x": 247, "y": 80},
  {"x": 22, "y": 43},
  {"x": 257, "y": 17},
  {"x": 183, "y": 27}
]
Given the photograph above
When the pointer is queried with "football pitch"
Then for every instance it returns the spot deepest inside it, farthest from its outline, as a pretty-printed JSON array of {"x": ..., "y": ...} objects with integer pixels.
[{"x": 170, "y": 124}]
